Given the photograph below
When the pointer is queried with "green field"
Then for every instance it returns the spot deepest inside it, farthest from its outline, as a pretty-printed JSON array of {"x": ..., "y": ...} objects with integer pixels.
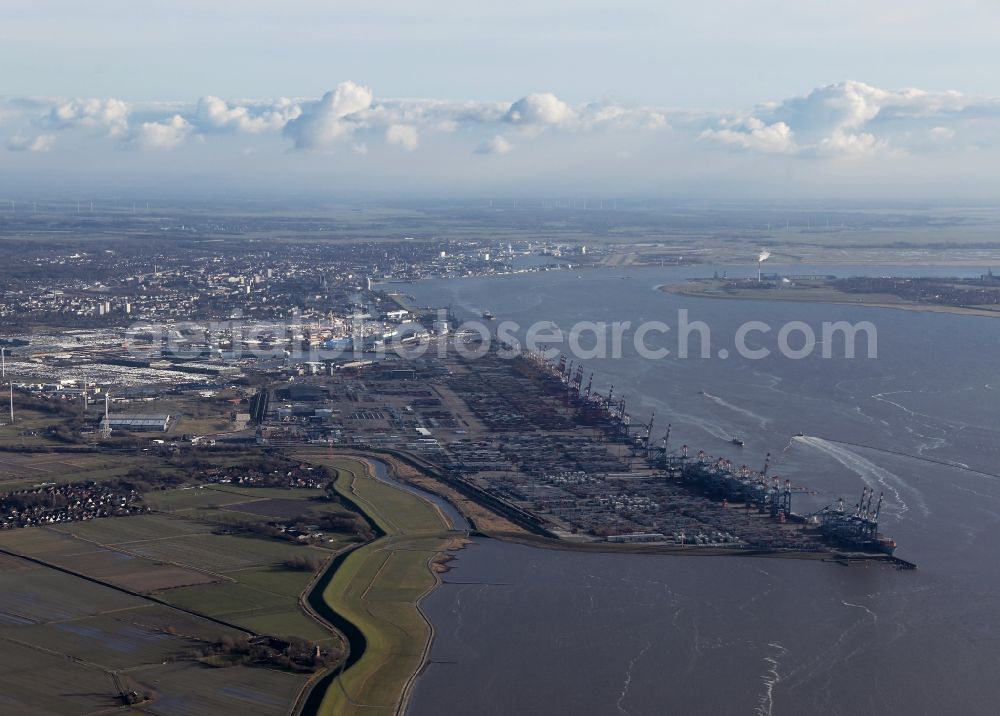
[
  {"x": 62, "y": 636},
  {"x": 128, "y": 571},
  {"x": 378, "y": 587},
  {"x": 24, "y": 470},
  {"x": 254, "y": 590},
  {"x": 184, "y": 499},
  {"x": 192, "y": 553},
  {"x": 189, "y": 689},
  {"x": 263, "y": 599},
  {"x": 183, "y": 555},
  {"x": 70, "y": 687}
]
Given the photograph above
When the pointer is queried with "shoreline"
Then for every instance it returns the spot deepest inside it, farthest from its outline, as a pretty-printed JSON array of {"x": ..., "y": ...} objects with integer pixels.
[
  {"x": 691, "y": 290},
  {"x": 432, "y": 487},
  {"x": 391, "y": 532}
]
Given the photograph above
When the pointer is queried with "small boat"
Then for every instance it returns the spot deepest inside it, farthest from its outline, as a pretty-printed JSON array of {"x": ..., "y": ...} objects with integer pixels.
[
  {"x": 738, "y": 441},
  {"x": 488, "y": 315},
  {"x": 800, "y": 434}
]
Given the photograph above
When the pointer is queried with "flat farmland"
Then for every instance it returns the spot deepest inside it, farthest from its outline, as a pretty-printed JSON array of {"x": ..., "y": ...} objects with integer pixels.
[
  {"x": 162, "y": 618},
  {"x": 23, "y": 470},
  {"x": 38, "y": 595},
  {"x": 136, "y": 528},
  {"x": 12, "y": 564},
  {"x": 261, "y": 493},
  {"x": 137, "y": 574},
  {"x": 275, "y": 508},
  {"x": 263, "y": 597},
  {"x": 187, "y": 689},
  {"x": 28, "y": 421},
  {"x": 180, "y": 558},
  {"x": 61, "y": 637},
  {"x": 113, "y": 641},
  {"x": 70, "y": 688},
  {"x": 226, "y": 599},
  {"x": 217, "y": 553},
  {"x": 288, "y": 622},
  {"x": 193, "y": 553},
  {"x": 40, "y": 467},
  {"x": 187, "y": 500}
]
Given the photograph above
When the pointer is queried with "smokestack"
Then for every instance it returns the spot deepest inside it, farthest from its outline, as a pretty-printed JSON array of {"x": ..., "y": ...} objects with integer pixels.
[
  {"x": 3, "y": 363},
  {"x": 761, "y": 258}
]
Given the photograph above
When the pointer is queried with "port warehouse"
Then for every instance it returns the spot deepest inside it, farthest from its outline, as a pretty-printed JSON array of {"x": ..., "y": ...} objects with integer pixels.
[{"x": 136, "y": 422}]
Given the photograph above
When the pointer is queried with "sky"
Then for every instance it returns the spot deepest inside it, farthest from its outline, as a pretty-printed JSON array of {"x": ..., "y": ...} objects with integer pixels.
[{"x": 714, "y": 99}]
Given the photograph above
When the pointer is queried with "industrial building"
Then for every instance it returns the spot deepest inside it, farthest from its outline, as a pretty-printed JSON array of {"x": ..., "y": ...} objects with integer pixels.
[{"x": 136, "y": 422}]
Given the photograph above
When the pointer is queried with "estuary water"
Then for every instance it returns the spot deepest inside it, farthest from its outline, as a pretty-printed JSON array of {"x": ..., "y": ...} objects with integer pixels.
[{"x": 522, "y": 630}]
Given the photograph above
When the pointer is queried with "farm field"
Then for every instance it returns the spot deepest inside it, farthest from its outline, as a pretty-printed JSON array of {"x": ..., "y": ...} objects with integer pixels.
[
  {"x": 191, "y": 552},
  {"x": 23, "y": 470},
  {"x": 187, "y": 499},
  {"x": 62, "y": 636},
  {"x": 263, "y": 599},
  {"x": 197, "y": 552},
  {"x": 71, "y": 688},
  {"x": 186, "y": 689},
  {"x": 28, "y": 422},
  {"x": 255, "y": 590},
  {"x": 124, "y": 570},
  {"x": 35, "y": 595},
  {"x": 239, "y": 579},
  {"x": 133, "y": 529}
]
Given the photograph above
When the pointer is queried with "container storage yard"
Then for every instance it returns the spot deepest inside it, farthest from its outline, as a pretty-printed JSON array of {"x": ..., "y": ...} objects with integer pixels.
[{"x": 530, "y": 436}]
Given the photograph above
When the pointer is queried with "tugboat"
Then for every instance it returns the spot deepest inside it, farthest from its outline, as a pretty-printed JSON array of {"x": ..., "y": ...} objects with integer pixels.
[{"x": 737, "y": 441}]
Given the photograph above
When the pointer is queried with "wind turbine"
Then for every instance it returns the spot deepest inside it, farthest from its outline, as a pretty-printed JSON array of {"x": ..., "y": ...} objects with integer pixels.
[{"x": 106, "y": 432}]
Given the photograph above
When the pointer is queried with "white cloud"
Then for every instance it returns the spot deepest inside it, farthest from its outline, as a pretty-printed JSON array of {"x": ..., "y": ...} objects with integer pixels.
[
  {"x": 844, "y": 106},
  {"x": 850, "y": 119},
  {"x": 753, "y": 135},
  {"x": 322, "y": 123},
  {"x": 108, "y": 114},
  {"x": 540, "y": 109},
  {"x": 495, "y": 145},
  {"x": 443, "y": 115},
  {"x": 215, "y": 114},
  {"x": 849, "y": 144},
  {"x": 610, "y": 115},
  {"x": 941, "y": 134},
  {"x": 156, "y": 136},
  {"x": 402, "y": 135},
  {"x": 847, "y": 119},
  {"x": 40, "y": 143}
]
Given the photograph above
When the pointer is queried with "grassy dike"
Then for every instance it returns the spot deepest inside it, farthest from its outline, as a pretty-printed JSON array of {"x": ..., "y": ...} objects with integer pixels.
[{"x": 374, "y": 590}]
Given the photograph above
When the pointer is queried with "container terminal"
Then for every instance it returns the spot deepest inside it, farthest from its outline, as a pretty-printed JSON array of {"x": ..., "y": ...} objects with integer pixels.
[
  {"x": 531, "y": 439},
  {"x": 854, "y": 530}
]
